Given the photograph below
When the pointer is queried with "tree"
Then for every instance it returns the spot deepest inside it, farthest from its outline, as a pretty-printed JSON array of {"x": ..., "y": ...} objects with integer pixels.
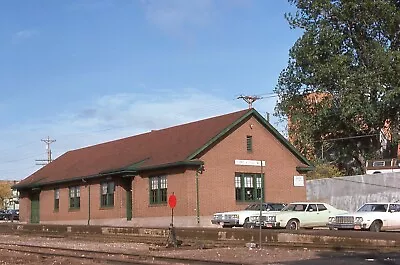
[
  {"x": 324, "y": 170},
  {"x": 5, "y": 192},
  {"x": 348, "y": 58}
]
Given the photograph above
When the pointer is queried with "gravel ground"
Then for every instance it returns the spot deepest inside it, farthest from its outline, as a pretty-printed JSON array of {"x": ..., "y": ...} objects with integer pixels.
[{"x": 242, "y": 255}]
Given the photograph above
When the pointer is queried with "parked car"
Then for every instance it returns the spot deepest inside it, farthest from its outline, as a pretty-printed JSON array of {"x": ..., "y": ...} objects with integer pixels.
[
  {"x": 241, "y": 218},
  {"x": 375, "y": 217},
  {"x": 297, "y": 215},
  {"x": 7, "y": 215},
  {"x": 2, "y": 214}
]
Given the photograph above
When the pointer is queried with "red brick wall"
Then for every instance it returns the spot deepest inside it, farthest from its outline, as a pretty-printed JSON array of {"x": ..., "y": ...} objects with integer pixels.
[
  {"x": 24, "y": 207},
  {"x": 47, "y": 212},
  {"x": 217, "y": 187},
  {"x": 177, "y": 183}
]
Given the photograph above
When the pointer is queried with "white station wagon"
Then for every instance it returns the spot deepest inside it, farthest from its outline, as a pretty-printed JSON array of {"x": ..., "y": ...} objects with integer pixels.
[{"x": 375, "y": 217}]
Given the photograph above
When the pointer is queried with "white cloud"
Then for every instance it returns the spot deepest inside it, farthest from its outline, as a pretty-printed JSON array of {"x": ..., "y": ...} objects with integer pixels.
[
  {"x": 107, "y": 118},
  {"x": 24, "y": 35}
]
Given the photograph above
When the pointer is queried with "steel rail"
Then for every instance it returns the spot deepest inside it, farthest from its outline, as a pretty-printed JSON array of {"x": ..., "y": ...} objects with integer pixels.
[{"x": 117, "y": 257}]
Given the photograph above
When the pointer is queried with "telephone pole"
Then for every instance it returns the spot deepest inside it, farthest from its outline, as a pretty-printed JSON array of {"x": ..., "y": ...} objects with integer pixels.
[
  {"x": 48, "y": 142},
  {"x": 249, "y": 99}
]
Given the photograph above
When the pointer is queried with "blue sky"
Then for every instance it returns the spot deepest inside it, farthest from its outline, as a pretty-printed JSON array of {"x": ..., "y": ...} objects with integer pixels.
[{"x": 89, "y": 71}]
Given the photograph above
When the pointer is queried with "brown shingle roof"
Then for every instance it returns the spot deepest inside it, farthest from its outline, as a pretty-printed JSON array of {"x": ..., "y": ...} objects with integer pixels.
[{"x": 155, "y": 148}]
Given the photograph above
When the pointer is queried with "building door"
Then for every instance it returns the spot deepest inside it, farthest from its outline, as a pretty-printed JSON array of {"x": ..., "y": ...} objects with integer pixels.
[
  {"x": 35, "y": 208},
  {"x": 128, "y": 188}
]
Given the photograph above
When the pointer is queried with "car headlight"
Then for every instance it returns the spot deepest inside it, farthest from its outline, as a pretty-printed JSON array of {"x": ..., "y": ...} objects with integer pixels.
[
  {"x": 359, "y": 220},
  {"x": 271, "y": 218},
  {"x": 331, "y": 219},
  {"x": 235, "y": 216}
]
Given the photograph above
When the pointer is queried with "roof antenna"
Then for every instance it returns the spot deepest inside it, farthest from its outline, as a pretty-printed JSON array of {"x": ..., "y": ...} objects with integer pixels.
[{"x": 249, "y": 99}]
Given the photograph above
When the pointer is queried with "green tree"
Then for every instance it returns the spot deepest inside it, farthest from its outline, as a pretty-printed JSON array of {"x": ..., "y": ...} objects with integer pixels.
[
  {"x": 324, "y": 170},
  {"x": 5, "y": 192},
  {"x": 348, "y": 56}
]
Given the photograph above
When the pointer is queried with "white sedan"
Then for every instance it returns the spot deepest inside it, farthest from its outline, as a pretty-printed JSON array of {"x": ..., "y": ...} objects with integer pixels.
[
  {"x": 375, "y": 217},
  {"x": 298, "y": 215},
  {"x": 241, "y": 218}
]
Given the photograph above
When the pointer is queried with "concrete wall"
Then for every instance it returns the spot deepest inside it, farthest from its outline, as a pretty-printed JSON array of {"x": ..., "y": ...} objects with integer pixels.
[{"x": 350, "y": 192}]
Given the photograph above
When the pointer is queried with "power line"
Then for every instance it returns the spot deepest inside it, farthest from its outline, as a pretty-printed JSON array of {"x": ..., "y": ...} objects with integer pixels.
[
  {"x": 18, "y": 159},
  {"x": 345, "y": 138}
]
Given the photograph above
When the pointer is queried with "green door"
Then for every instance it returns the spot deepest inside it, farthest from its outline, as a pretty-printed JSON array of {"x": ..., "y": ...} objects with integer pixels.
[
  {"x": 128, "y": 187},
  {"x": 35, "y": 208}
]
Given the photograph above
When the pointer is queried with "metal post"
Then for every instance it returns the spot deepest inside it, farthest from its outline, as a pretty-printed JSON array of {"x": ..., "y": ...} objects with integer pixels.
[
  {"x": 261, "y": 202},
  {"x": 197, "y": 197},
  {"x": 88, "y": 221}
]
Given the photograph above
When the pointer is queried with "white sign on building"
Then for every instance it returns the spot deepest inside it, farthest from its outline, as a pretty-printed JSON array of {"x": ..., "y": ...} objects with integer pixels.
[
  {"x": 240, "y": 162},
  {"x": 298, "y": 181}
]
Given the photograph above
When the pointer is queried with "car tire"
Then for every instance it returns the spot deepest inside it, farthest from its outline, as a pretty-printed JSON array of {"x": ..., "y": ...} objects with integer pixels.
[
  {"x": 293, "y": 224},
  {"x": 246, "y": 223},
  {"x": 376, "y": 226}
]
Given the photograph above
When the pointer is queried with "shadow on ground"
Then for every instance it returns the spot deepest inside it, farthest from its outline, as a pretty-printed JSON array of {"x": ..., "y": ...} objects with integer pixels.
[{"x": 350, "y": 258}]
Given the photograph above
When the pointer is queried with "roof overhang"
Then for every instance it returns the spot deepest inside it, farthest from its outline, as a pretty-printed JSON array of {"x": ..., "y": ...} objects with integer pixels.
[{"x": 127, "y": 171}]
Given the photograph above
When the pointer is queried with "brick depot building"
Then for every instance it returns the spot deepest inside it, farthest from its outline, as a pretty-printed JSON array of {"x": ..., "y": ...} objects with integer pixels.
[{"x": 210, "y": 165}]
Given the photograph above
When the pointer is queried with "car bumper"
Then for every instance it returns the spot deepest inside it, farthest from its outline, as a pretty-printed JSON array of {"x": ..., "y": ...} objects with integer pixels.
[
  {"x": 230, "y": 222},
  {"x": 347, "y": 226},
  {"x": 271, "y": 224}
]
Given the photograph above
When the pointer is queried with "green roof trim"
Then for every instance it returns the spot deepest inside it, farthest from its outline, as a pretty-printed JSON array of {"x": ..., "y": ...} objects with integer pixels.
[
  {"x": 187, "y": 163},
  {"x": 302, "y": 169},
  {"x": 266, "y": 124}
]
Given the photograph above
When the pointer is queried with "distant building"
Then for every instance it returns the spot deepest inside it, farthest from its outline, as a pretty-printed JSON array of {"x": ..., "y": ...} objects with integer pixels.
[
  {"x": 12, "y": 202},
  {"x": 217, "y": 164}
]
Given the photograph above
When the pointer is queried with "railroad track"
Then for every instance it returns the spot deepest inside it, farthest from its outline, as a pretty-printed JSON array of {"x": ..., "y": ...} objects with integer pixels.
[
  {"x": 106, "y": 257},
  {"x": 161, "y": 241}
]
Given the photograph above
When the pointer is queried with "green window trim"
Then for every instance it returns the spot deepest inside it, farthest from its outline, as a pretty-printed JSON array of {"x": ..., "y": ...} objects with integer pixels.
[
  {"x": 158, "y": 187},
  {"x": 249, "y": 187},
  {"x": 249, "y": 143},
  {"x": 74, "y": 198},
  {"x": 107, "y": 191},
  {"x": 56, "y": 199}
]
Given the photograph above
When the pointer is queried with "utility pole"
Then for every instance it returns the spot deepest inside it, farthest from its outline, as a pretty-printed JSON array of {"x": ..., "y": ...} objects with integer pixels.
[
  {"x": 48, "y": 142},
  {"x": 249, "y": 99}
]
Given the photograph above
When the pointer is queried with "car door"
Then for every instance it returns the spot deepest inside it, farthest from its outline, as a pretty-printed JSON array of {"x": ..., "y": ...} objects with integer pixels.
[
  {"x": 323, "y": 215},
  {"x": 310, "y": 216},
  {"x": 394, "y": 216}
]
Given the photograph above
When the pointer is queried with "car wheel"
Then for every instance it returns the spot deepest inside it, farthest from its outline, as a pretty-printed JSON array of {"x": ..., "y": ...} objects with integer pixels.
[
  {"x": 375, "y": 226},
  {"x": 293, "y": 224},
  {"x": 246, "y": 223}
]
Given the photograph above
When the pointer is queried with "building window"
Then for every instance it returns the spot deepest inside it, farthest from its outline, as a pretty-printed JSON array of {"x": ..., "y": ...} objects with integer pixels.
[
  {"x": 56, "y": 199},
  {"x": 158, "y": 189},
  {"x": 248, "y": 187},
  {"x": 107, "y": 194},
  {"x": 249, "y": 142},
  {"x": 74, "y": 197}
]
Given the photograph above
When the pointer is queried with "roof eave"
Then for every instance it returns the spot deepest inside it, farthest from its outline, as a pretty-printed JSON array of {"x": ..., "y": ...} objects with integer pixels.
[{"x": 302, "y": 169}]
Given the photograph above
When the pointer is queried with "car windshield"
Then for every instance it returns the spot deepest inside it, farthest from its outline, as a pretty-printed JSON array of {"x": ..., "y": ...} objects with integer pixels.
[
  {"x": 266, "y": 207},
  {"x": 373, "y": 207},
  {"x": 295, "y": 207}
]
